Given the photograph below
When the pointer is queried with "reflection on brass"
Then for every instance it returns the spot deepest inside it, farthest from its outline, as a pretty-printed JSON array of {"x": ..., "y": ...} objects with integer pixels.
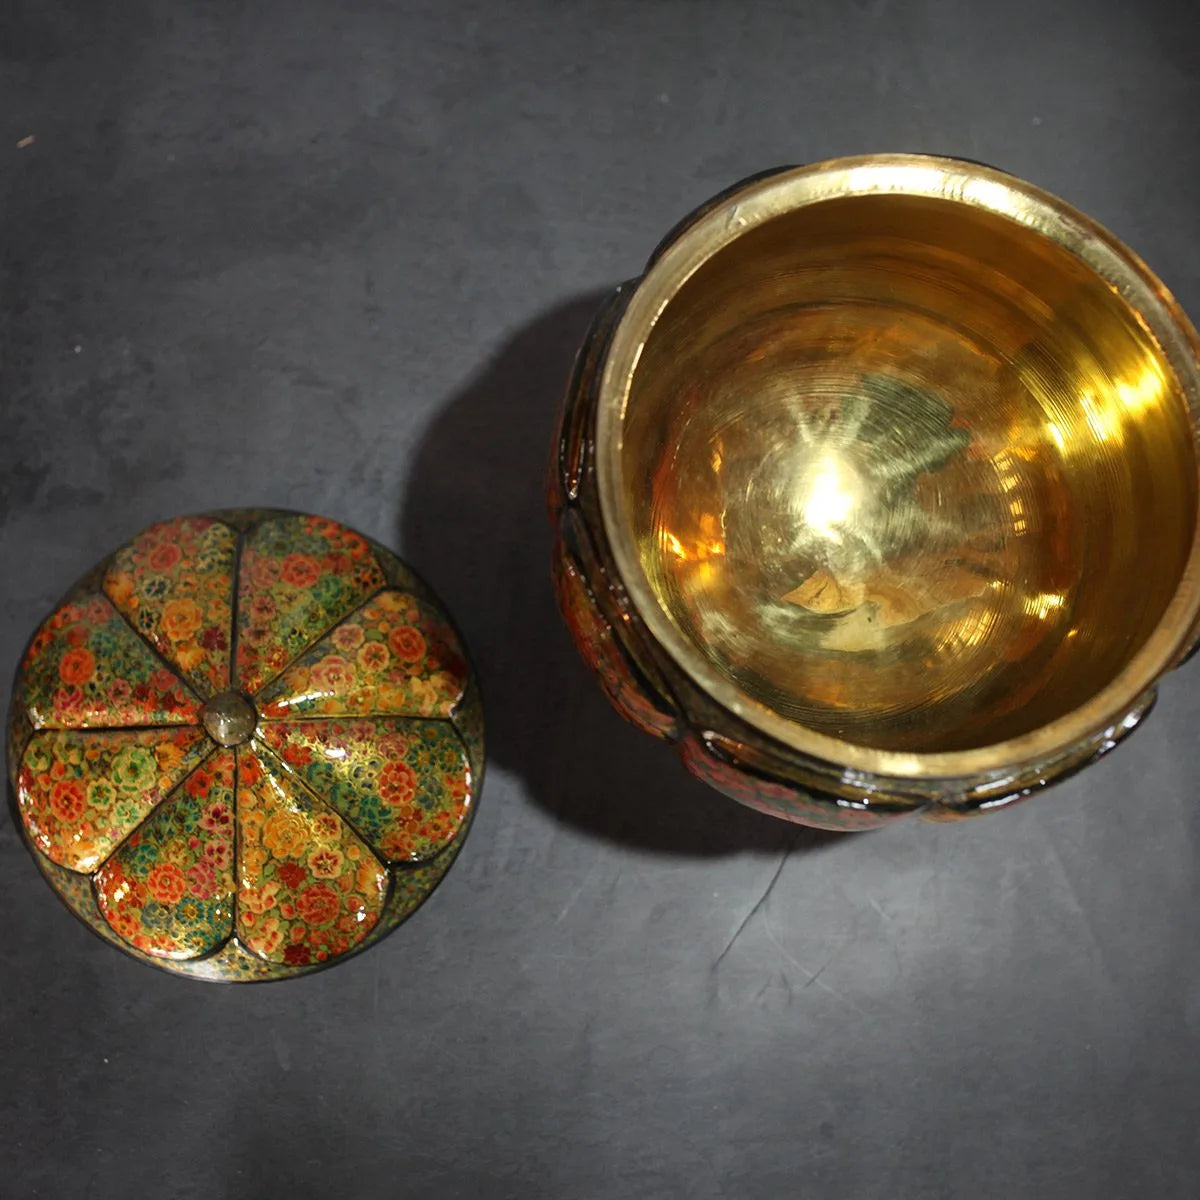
[
  {"x": 895, "y": 461},
  {"x": 917, "y": 477}
]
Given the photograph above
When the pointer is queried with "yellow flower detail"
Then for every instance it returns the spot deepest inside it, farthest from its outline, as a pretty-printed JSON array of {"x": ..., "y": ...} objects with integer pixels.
[
  {"x": 181, "y": 618},
  {"x": 284, "y": 834}
]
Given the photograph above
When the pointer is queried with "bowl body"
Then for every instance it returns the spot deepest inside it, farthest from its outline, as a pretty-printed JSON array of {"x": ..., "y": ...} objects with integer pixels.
[{"x": 877, "y": 492}]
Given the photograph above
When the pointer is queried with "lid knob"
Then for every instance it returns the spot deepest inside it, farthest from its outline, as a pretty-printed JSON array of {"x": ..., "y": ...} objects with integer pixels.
[{"x": 229, "y": 718}]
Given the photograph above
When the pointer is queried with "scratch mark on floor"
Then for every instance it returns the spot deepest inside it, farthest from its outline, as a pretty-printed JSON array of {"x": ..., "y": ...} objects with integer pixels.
[
  {"x": 570, "y": 904},
  {"x": 757, "y": 906},
  {"x": 1070, "y": 893}
]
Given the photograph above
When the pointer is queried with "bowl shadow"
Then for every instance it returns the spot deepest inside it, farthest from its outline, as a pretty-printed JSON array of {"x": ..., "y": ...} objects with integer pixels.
[{"x": 473, "y": 522}]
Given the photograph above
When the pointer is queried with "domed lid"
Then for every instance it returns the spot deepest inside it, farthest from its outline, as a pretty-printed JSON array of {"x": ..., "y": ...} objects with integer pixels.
[{"x": 246, "y": 745}]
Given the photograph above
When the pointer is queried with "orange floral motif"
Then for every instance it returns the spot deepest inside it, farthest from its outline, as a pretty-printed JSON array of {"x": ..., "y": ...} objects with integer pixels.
[
  {"x": 166, "y": 883},
  {"x": 164, "y": 556},
  {"x": 257, "y": 899},
  {"x": 77, "y": 665},
  {"x": 269, "y": 936},
  {"x": 318, "y": 904},
  {"x": 397, "y": 783},
  {"x": 180, "y": 619},
  {"x": 300, "y": 570},
  {"x": 407, "y": 644},
  {"x": 328, "y": 826},
  {"x": 67, "y": 800}
]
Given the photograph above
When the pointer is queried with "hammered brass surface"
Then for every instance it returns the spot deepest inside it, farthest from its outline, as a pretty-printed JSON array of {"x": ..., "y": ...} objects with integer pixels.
[{"x": 907, "y": 472}]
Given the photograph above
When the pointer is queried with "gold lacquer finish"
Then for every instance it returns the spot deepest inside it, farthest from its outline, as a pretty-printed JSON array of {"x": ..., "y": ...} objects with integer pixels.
[{"x": 895, "y": 460}]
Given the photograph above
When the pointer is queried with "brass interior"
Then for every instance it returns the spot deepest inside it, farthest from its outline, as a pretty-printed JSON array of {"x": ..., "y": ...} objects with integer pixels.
[{"x": 907, "y": 472}]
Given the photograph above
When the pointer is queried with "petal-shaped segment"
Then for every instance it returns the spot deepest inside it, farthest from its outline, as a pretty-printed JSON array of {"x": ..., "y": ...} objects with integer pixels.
[
  {"x": 405, "y": 785},
  {"x": 81, "y": 792},
  {"x": 168, "y": 890},
  {"x": 394, "y": 656},
  {"x": 308, "y": 887},
  {"x": 86, "y": 668},
  {"x": 174, "y": 583},
  {"x": 299, "y": 576}
]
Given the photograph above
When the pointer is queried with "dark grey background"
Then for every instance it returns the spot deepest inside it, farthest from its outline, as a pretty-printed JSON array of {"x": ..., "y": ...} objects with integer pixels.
[{"x": 337, "y": 257}]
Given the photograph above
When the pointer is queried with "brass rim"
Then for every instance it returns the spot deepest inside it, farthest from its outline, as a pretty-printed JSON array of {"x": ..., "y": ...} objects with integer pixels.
[{"x": 934, "y": 178}]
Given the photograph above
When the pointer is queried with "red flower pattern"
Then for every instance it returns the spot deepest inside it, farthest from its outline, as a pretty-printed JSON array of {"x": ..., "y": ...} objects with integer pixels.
[
  {"x": 167, "y": 883},
  {"x": 397, "y": 784},
  {"x": 300, "y": 570},
  {"x": 407, "y": 643},
  {"x": 77, "y": 666},
  {"x": 292, "y": 874},
  {"x": 67, "y": 800},
  {"x": 318, "y": 904},
  {"x": 164, "y": 556}
]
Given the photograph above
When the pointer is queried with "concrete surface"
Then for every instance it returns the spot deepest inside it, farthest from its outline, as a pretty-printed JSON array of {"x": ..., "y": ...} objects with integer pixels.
[{"x": 337, "y": 257}]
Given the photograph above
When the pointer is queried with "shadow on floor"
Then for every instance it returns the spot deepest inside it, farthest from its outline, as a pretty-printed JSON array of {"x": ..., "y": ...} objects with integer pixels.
[{"x": 474, "y": 524}]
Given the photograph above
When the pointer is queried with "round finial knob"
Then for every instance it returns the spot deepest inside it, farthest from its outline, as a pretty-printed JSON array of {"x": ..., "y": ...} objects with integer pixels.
[{"x": 229, "y": 718}]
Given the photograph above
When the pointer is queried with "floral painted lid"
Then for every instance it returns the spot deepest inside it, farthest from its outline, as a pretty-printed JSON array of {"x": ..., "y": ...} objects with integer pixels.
[{"x": 246, "y": 745}]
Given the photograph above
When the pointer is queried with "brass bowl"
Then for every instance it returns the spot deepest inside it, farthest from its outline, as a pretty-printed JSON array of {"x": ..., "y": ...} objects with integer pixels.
[{"x": 878, "y": 491}]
